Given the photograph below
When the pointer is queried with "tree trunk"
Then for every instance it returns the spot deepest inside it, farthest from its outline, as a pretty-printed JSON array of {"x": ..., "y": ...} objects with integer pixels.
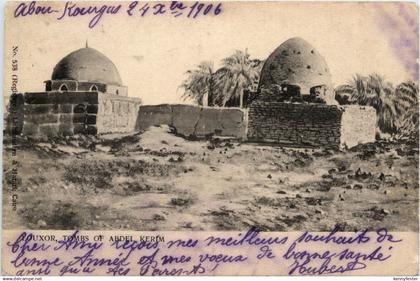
[{"x": 205, "y": 100}]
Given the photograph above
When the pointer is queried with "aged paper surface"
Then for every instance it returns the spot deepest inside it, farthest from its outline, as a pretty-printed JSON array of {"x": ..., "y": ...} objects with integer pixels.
[{"x": 210, "y": 138}]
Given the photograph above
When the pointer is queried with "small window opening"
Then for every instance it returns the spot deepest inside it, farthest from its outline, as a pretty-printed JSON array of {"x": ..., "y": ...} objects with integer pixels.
[
  {"x": 63, "y": 88},
  {"x": 94, "y": 88}
]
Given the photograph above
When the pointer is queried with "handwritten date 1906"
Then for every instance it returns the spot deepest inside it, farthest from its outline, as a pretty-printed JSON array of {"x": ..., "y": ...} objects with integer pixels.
[{"x": 134, "y": 8}]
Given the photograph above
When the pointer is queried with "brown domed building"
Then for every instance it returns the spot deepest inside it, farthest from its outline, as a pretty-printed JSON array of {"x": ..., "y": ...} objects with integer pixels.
[
  {"x": 295, "y": 103},
  {"x": 84, "y": 96},
  {"x": 86, "y": 69},
  {"x": 295, "y": 71}
]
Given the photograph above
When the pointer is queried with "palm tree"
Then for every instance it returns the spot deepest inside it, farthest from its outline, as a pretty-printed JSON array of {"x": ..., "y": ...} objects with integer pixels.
[
  {"x": 238, "y": 73},
  {"x": 374, "y": 91},
  {"x": 407, "y": 96},
  {"x": 199, "y": 84},
  {"x": 408, "y": 109}
]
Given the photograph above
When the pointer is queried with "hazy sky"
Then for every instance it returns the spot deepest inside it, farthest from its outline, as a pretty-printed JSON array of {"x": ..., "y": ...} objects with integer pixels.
[{"x": 152, "y": 53}]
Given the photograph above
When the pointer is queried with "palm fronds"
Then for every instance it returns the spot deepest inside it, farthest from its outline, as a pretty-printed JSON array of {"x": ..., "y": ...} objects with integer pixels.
[
  {"x": 240, "y": 74},
  {"x": 226, "y": 86},
  {"x": 199, "y": 82},
  {"x": 395, "y": 107},
  {"x": 408, "y": 108}
]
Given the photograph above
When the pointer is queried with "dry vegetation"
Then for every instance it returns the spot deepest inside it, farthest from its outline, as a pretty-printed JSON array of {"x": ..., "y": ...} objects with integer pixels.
[{"x": 157, "y": 181}]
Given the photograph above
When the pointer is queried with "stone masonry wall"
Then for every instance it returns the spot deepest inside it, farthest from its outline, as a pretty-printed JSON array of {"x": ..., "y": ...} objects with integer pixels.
[
  {"x": 358, "y": 125},
  {"x": 198, "y": 121},
  {"x": 69, "y": 113},
  {"x": 117, "y": 114},
  {"x": 317, "y": 125},
  {"x": 295, "y": 123},
  {"x": 13, "y": 114},
  {"x": 60, "y": 113}
]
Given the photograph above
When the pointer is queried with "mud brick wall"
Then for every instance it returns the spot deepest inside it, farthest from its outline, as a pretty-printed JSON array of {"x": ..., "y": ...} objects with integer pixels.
[
  {"x": 60, "y": 113},
  {"x": 197, "y": 121},
  {"x": 295, "y": 124},
  {"x": 317, "y": 125},
  {"x": 68, "y": 113},
  {"x": 117, "y": 114}
]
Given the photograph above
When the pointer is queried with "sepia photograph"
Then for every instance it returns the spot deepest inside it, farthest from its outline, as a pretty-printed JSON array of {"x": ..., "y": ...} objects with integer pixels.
[
  {"x": 267, "y": 141},
  {"x": 211, "y": 116}
]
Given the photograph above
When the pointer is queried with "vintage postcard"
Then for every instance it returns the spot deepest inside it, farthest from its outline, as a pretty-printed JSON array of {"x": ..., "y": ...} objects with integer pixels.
[{"x": 210, "y": 138}]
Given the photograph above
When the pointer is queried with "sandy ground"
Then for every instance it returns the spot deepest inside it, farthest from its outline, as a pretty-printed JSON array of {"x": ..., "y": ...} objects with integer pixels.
[{"x": 158, "y": 181}]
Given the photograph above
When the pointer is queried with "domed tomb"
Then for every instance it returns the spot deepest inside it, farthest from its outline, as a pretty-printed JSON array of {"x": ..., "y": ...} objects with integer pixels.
[
  {"x": 296, "y": 71},
  {"x": 86, "y": 69}
]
